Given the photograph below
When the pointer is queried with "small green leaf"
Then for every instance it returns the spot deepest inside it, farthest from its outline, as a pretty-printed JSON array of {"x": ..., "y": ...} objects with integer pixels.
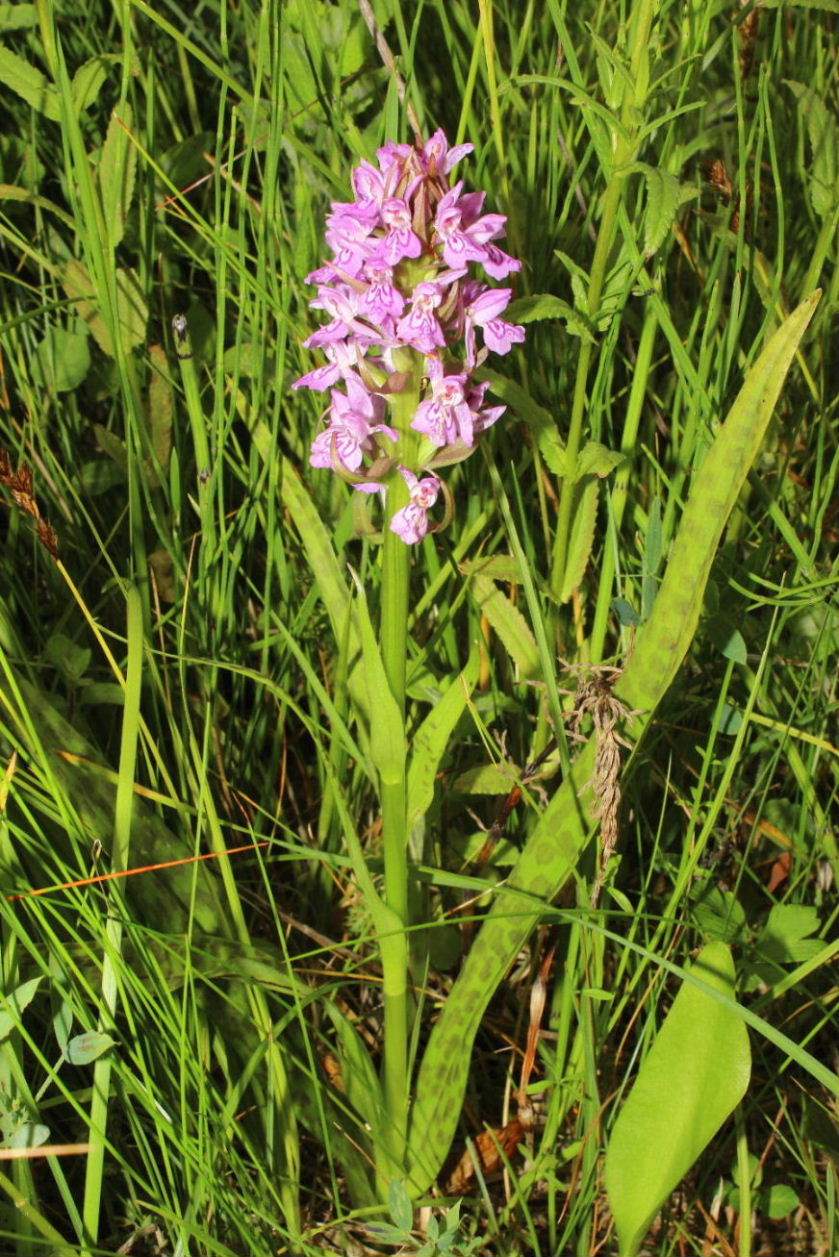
[
  {"x": 13, "y": 1005},
  {"x": 824, "y": 142},
  {"x": 16, "y": 17},
  {"x": 399, "y": 1206},
  {"x": 598, "y": 460},
  {"x": 63, "y": 359},
  {"x": 718, "y": 914},
  {"x": 780, "y": 1201},
  {"x": 431, "y": 740},
  {"x": 486, "y": 779},
  {"x": 544, "y": 305},
  {"x": 71, "y": 660},
  {"x": 664, "y": 195},
  {"x": 501, "y": 567},
  {"x": 29, "y": 1135},
  {"x": 582, "y": 537},
  {"x": 117, "y": 172},
  {"x": 161, "y": 406},
  {"x": 693, "y": 1076},
  {"x": 509, "y": 624},
  {"x": 87, "y": 83},
  {"x": 85, "y": 1048}
]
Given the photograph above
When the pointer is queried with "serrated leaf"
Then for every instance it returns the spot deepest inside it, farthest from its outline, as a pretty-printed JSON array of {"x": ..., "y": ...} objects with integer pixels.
[
  {"x": 85, "y": 1048},
  {"x": 509, "y": 624},
  {"x": 27, "y": 81},
  {"x": 87, "y": 83},
  {"x": 502, "y": 567},
  {"x": 664, "y": 196},
  {"x": 546, "y": 306},
  {"x": 582, "y": 537},
  {"x": 13, "y": 1005},
  {"x": 552, "y": 450},
  {"x": 117, "y": 172},
  {"x": 689, "y": 1083}
]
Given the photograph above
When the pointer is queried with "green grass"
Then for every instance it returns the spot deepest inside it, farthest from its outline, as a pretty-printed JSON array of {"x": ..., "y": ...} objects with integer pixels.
[{"x": 179, "y": 682}]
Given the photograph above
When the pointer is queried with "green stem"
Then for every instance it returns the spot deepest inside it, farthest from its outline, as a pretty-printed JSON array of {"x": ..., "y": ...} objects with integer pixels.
[
  {"x": 394, "y": 641},
  {"x": 624, "y": 150}
]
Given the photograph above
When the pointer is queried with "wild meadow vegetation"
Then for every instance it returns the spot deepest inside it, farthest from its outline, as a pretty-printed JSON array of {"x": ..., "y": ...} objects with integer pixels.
[{"x": 473, "y": 895}]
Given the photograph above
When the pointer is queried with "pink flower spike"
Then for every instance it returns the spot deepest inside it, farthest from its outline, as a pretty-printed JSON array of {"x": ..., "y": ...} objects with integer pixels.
[{"x": 411, "y": 523}]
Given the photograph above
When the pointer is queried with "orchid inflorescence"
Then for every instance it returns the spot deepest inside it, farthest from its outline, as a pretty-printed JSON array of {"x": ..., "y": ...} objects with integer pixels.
[{"x": 405, "y": 315}]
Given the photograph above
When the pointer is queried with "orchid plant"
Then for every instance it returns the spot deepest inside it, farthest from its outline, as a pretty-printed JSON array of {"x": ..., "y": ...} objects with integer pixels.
[{"x": 408, "y": 328}]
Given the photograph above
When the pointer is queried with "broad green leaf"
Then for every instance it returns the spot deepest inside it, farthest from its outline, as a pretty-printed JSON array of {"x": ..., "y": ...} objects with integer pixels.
[
  {"x": 12, "y": 1005},
  {"x": 542, "y": 868},
  {"x": 27, "y": 81},
  {"x": 431, "y": 740},
  {"x": 582, "y": 537},
  {"x": 85, "y": 1048},
  {"x": 509, "y": 624},
  {"x": 690, "y": 1081},
  {"x": 117, "y": 172}
]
